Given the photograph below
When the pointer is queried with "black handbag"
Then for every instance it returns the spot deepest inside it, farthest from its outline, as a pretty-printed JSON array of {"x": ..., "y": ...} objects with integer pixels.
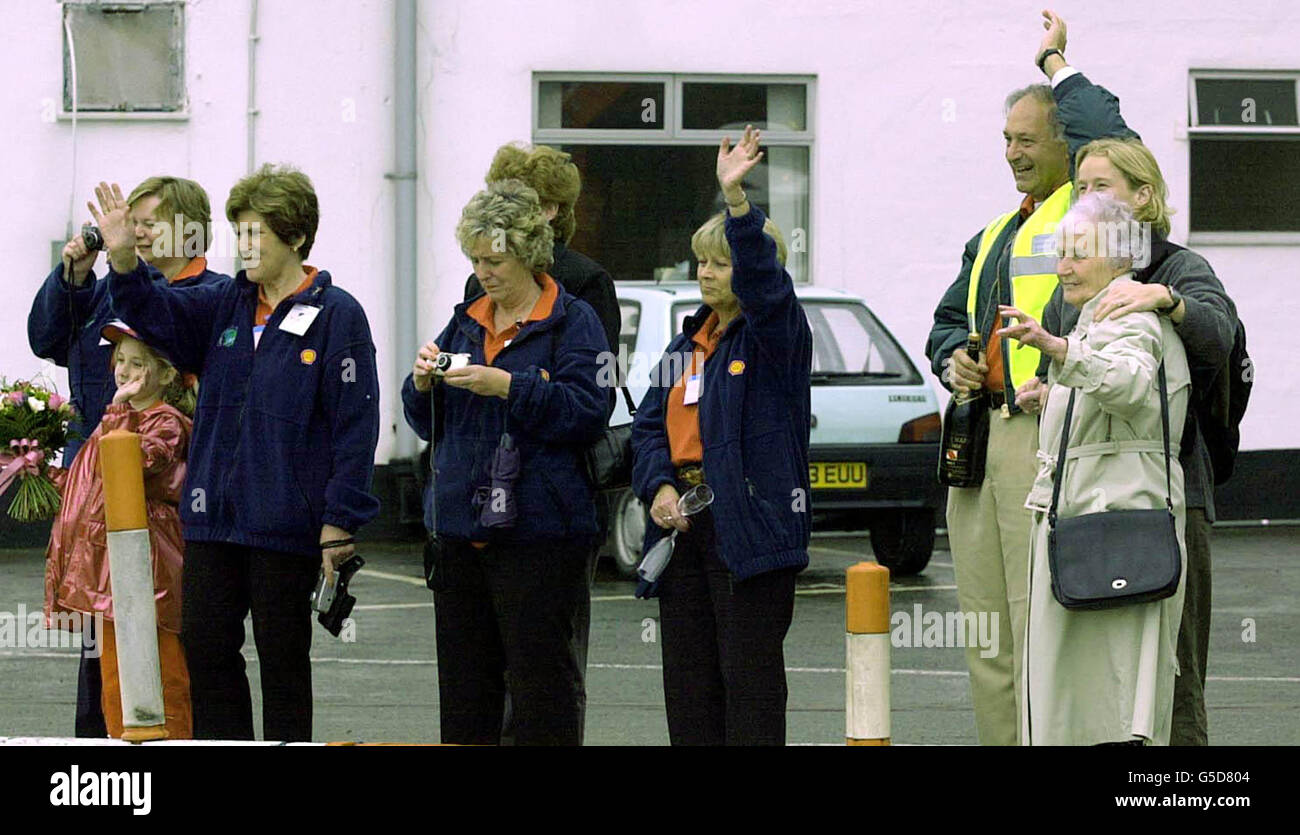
[
  {"x": 1116, "y": 557},
  {"x": 608, "y": 461}
]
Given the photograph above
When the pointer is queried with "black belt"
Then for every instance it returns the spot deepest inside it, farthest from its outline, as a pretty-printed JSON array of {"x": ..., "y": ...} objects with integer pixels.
[
  {"x": 997, "y": 399},
  {"x": 692, "y": 474}
]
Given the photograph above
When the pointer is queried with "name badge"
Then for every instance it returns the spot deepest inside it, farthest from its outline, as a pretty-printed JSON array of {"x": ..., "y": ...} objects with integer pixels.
[
  {"x": 692, "y": 393},
  {"x": 298, "y": 320}
]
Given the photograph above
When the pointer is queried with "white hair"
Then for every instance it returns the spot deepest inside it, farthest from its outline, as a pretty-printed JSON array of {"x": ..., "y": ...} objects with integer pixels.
[{"x": 1101, "y": 217}]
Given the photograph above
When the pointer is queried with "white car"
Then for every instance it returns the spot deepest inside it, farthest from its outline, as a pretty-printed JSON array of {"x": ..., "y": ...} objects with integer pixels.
[{"x": 875, "y": 423}]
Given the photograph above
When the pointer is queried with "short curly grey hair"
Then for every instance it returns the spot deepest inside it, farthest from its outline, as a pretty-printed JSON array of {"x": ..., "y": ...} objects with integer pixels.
[{"x": 509, "y": 214}]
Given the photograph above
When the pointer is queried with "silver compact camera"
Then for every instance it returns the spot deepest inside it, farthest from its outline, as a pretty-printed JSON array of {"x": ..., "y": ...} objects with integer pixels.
[{"x": 449, "y": 362}]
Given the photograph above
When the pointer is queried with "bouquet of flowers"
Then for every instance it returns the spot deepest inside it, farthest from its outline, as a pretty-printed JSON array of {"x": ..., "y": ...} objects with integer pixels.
[{"x": 33, "y": 429}]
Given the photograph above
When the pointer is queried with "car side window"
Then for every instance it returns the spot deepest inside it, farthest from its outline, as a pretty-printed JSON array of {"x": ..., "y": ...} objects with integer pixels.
[{"x": 847, "y": 341}]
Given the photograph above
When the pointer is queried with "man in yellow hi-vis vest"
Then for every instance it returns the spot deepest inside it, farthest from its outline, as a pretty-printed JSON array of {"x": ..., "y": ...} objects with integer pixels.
[{"x": 1011, "y": 261}]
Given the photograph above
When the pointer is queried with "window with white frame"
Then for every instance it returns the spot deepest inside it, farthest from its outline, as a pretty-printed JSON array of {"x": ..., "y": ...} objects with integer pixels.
[
  {"x": 647, "y": 148},
  {"x": 126, "y": 58},
  {"x": 1244, "y": 131}
]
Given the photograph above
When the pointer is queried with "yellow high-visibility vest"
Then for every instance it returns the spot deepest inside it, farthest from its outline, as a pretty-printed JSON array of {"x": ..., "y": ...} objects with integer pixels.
[{"x": 1032, "y": 272}]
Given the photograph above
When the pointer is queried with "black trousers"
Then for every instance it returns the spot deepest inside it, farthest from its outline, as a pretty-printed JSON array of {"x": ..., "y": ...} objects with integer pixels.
[
  {"x": 505, "y": 618},
  {"x": 1190, "y": 726},
  {"x": 724, "y": 659},
  {"x": 90, "y": 710},
  {"x": 221, "y": 583}
]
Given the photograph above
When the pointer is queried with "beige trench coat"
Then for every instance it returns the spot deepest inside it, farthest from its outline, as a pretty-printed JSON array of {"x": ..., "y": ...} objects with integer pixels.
[{"x": 1105, "y": 675}]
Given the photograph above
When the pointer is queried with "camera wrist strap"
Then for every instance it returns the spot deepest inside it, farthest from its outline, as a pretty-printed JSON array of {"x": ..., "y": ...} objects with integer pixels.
[{"x": 433, "y": 458}]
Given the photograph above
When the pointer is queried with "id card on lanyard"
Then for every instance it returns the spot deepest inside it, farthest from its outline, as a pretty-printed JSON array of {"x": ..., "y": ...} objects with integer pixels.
[{"x": 691, "y": 392}]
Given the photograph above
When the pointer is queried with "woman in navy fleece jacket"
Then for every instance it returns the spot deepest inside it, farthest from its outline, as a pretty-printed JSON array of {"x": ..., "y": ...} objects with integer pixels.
[
  {"x": 735, "y": 415},
  {"x": 282, "y": 451},
  {"x": 508, "y": 584}
]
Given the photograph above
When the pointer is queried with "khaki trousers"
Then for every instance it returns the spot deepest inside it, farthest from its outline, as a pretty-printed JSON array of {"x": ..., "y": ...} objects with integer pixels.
[{"x": 988, "y": 535}]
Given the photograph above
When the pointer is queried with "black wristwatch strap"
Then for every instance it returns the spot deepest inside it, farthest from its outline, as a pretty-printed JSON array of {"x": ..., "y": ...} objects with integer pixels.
[
  {"x": 1176, "y": 300},
  {"x": 1042, "y": 59}
]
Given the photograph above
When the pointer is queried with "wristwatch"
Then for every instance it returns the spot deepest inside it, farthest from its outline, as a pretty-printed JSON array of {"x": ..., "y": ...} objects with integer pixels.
[
  {"x": 1173, "y": 305},
  {"x": 1042, "y": 58}
]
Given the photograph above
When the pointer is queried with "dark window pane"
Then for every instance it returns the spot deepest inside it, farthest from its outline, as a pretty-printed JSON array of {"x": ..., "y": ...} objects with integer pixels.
[
  {"x": 732, "y": 106},
  {"x": 601, "y": 105},
  {"x": 1245, "y": 185},
  {"x": 1245, "y": 101},
  {"x": 641, "y": 204}
]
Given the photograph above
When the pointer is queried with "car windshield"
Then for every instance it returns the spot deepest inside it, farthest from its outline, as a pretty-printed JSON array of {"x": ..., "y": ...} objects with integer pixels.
[{"x": 849, "y": 344}]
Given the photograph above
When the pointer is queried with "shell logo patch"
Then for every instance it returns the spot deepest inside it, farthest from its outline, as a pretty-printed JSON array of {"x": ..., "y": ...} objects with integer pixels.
[
  {"x": 546, "y": 375},
  {"x": 736, "y": 368},
  {"x": 308, "y": 356}
]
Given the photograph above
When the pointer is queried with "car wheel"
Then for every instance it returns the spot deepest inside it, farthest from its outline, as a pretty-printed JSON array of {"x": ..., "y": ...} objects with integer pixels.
[
  {"x": 627, "y": 532},
  {"x": 903, "y": 540}
]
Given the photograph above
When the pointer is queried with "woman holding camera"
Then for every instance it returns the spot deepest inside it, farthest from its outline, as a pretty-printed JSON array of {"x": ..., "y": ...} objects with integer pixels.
[
  {"x": 170, "y": 225},
  {"x": 733, "y": 414},
  {"x": 283, "y": 446},
  {"x": 511, "y": 515}
]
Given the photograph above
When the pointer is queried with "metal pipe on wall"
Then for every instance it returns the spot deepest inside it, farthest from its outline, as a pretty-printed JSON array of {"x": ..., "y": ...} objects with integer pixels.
[
  {"x": 252, "y": 86},
  {"x": 405, "y": 285}
]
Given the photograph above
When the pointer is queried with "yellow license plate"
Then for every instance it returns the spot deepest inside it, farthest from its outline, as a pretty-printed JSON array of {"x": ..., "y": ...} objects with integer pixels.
[{"x": 837, "y": 474}]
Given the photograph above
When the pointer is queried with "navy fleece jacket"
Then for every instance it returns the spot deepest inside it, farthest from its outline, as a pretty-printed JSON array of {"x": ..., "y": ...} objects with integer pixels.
[
  {"x": 284, "y": 435},
  {"x": 754, "y": 411},
  {"x": 554, "y": 409}
]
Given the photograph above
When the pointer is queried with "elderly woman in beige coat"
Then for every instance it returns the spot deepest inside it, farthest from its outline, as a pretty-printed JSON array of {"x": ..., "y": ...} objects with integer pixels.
[{"x": 1102, "y": 676}]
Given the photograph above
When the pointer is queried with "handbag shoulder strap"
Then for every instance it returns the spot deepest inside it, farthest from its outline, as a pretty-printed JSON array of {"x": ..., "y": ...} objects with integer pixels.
[
  {"x": 1065, "y": 443},
  {"x": 1164, "y": 428}
]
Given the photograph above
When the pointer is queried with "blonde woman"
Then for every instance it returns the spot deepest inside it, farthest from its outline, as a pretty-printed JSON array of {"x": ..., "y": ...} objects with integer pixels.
[{"x": 734, "y": 415}]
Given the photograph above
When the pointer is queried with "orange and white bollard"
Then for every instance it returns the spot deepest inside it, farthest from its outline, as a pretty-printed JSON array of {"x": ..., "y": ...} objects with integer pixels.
[
  {"x": 135, "y": 618},
  {"x": 866, "y": 622}
]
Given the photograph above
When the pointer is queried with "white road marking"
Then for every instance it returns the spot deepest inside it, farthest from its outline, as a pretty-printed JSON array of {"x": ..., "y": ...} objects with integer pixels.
[
  {"x": 401, "y": 578},
  {"x": 421, "y": 662}
]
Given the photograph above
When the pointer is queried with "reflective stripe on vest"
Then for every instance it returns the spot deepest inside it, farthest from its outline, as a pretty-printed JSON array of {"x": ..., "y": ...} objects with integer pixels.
[{"x": 1032, "y": 271}]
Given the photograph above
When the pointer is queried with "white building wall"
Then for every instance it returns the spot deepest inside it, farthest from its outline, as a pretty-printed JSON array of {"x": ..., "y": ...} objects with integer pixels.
[{"x": 907, "y": 160}]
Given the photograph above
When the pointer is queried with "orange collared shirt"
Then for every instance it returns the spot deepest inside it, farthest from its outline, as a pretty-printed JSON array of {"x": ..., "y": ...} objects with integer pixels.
[
  {"x": 264, "y": 309},
  {"x": 993, "y": 380},
  {"x": 483, "y": 310},
  {"x": 682, "y": 420},
  {"x": 196, "y": 266}
]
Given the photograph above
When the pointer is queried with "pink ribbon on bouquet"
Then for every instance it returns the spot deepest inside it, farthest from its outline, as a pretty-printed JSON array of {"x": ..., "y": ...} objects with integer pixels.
[{"x": 26, "y": 459}]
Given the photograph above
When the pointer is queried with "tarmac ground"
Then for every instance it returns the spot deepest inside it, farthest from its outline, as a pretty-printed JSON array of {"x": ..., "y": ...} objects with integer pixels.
[{"x": 382, "y": 686}]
